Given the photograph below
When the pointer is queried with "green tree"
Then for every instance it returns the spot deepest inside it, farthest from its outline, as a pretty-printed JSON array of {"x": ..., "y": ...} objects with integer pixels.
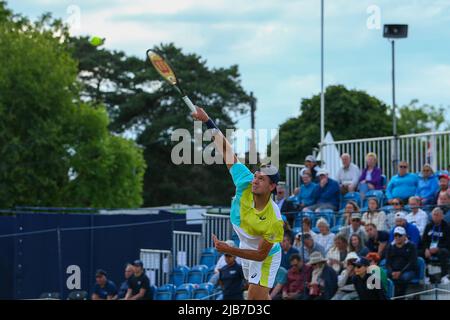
[{"x": 416, "y": 119}]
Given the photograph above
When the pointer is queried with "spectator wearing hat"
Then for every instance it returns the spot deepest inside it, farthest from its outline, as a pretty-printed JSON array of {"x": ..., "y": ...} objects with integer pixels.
[
  {"x": 276, "y": 293},
  {"x": 327, "y": 194},
  {"x": 401, "y": 260},
  {"x": 370, "y": 178},
  {"x": 308, "y": 190},
  {"x": 139, "y": 284},
  {"x": 374, "y": 215},
  {"x": 377, "y": 241},
  {"x": 357, "y": 245},
  {"x": 412, "y": 232},
  {"x": 129, "y": 270},
  {"x": 336, "y": 255},
  {"x": 348, "y": 175},
  {"x": 427, "y": 186},
  {"x": 325, "y": 238},
  {"x": 231, "y": 278},
  {"x": 354, "y": 227},
  {"x": 287, "y": 251},
  {"x": 104, "y": 289},
  {"x": 299, "y": 275},
  {"x": 311, "y": 164},
  {"x": 403, "y": 185},
  {"x": 436, "y": 241},
  {"x": 323, "y": 285},
  {"x": 363, "y": 281},
  {"x": 346, "y": 289},
  {"x": 417, "y": 216}
]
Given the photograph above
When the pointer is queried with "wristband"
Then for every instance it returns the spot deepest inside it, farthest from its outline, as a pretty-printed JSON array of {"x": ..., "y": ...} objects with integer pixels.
[{"x": 211, "y": 125}]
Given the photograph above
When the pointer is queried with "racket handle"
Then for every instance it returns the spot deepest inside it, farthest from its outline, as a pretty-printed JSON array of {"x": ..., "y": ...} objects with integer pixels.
[{"x": 189, "y": 104}]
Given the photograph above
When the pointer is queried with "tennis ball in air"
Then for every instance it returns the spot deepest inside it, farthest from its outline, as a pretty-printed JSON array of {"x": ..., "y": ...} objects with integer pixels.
[{"x": 97, "y": 41}]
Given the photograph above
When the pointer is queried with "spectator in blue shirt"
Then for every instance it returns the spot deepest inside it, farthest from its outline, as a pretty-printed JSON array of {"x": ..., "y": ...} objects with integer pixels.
[
  {"x": 124, "y": 286},
  {"x": 403, "y": 185},
  {"x": 231, "y": 278},
  {"x": 287, "y": 251},
  {"x": 308, "y": 189},
  {"x": 427, "y": 186},
  {"x": 327, "y": 194},
  {"x": 104, "y": 289},
  {"x": 412, "y": 233}
]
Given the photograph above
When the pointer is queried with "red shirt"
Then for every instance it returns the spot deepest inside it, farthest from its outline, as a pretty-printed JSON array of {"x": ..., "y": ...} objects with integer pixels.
[{"x": 296, "y": 279}]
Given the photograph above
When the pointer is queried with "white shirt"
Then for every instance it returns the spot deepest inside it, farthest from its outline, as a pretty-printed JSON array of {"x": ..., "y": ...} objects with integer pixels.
[
  {"x": 326, "y": 241},
  {"x": 420, "y": 219},
  {"x": 349, "y": 176}
]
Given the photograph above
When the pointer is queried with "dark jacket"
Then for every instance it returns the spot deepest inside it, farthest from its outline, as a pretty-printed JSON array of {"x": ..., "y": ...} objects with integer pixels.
[
  {"x": 329, "y": 193},
  {"x": 376, "y": 178},
  {"x": 439, "y": 233},
  {"x": 401, "y": 259},
  {"x": 364, "y": 293},
  {"x": 329, "y": 278}
]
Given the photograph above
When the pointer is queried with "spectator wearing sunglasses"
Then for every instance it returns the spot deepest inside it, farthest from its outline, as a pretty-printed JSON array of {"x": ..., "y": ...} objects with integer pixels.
[
  {"x": 401, "y": 261},
  {"x": 355, "y": 227},
  {"x": 403, "y": 185},
  {"x": 427, "y": 186},
  {"x": 361, "y": 281},
  {"x": 397, "y": 206},
  {"x": 412, "y": 233}
]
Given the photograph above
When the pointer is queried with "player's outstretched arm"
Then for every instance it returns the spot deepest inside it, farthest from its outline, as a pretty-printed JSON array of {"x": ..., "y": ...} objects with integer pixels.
[
  {"x": 220, "y": 141},
  {"x": 256, "y": 255}
]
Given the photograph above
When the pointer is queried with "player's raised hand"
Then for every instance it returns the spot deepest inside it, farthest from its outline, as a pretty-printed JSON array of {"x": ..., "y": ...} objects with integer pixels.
[{"x": 221, "y": 246}]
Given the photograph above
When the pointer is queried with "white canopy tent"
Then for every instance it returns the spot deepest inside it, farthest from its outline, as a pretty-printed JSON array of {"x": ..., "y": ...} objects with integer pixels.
[{"x": 331, "y": 159}]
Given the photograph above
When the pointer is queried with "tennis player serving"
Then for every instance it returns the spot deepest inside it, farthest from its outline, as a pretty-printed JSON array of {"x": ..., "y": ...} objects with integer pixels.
[{"x": 254, "y": 215}]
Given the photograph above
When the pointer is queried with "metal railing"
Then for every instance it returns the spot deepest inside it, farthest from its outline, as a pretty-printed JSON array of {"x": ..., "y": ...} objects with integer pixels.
[
  {"x": 187, "y": 247},
  {"x": 217, "y": 224},
  {"x": 293, "y": 176},
  {"x": 157, "y": 265}
]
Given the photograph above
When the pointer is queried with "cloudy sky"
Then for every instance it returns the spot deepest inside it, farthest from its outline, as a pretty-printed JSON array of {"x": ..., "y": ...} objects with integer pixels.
[{"x": 276, "y": 43}]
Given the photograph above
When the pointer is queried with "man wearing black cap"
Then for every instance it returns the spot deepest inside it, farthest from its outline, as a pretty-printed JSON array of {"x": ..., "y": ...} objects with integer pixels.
[
  {"x": 138, "y": 284},
  {"x": 366, "y": 284},
  {"x": 255, "y": 217},
  {"x": 104, "y": 289}
]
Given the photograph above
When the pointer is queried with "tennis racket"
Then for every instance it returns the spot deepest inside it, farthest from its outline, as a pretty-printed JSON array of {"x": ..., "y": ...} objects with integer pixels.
[{"x": 168, "y": 74}]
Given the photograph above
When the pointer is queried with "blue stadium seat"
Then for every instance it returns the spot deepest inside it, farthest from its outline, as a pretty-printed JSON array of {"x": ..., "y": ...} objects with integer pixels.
[
  {"x": 420, "y": 271},
  {"x": 153, "y": 289},
  {"x": 179, "y": 275},
  {"x": 165, "y": 292},
  {"x": 390, "y": 289},
  {"x": 184, "y": 291},
  {"x": 210, "y": 272},
  {"x": 203, "y": 291},
  {"x": 354, "y": 196},
  {"x": 382, "y": 263},
  {"x": 374, "y": 194},
  {"x": 327, "y": 214},
  {"x": 209, "y": 257},
  {"x": 299, "y": 218},
  {"x": 384, "y": 181},
  {"x": 336, "y": 229},
  {"x": 197, "y": 274}
]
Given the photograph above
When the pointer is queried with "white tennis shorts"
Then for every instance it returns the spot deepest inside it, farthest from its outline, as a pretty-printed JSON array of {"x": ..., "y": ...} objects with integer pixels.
[{"x": 263, "y": 272}]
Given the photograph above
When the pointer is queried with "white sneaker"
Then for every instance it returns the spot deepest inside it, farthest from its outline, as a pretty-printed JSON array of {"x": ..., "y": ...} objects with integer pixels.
[{"x": 445, "y": 280}]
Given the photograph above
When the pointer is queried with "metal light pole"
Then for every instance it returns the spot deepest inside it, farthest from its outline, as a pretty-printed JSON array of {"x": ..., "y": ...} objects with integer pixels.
[{"x": 322, "y": 97}]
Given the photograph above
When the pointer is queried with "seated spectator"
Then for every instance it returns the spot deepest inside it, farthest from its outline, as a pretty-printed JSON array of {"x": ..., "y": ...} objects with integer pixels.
[
  {"x": 325, "y": 238},
  {"x": 443, "y": 195},
  {"x": 397, "y": 206},
  {"x": 354, "y": 227},
  {"x": 374, "y": 259},
  {"x": 350, "y": 208},
  {"x": 222, "y": 263},
  {"x": 298, "y": 276},
  {"x": 311, "y": 164},
  {"x": 308, "y": 190},
  {"x": 374, "y": 215},
  {"x": 336, "y": 255},
  {"x": 294, "y": 195},
  {"x": 104, "y": 289},
  {"x": 401, "y": 261},
  {"x": 356, "y": 245},
  {"x": 403, "y": 185},
  {"x": 281, "y": 279},
  {"x": 287, "y": 226},
  {"x": 281, "y": 200},
  {"x": 287, "y": 251},
  {"x": 306, "y": 229},
  {"x": 361, "y": 281},
  {"x": 346, "y": 289},
  {"x": 370, "y": 178},
  {"x": 139, "y": 284},
  {"x": 310, "y": 246},
  {"x": 377, "y": 241},
  {"x": 129, "y": 270},
  {"x": 327, "y": 193},
  {"x": 436, "y": 241},
  {"x": 417, "y": 216},
  {"x": 231, "y": 279},
  {"x": 323, "y": 285},
  {"x": 412, "y": 232},
  {"x": 348, "y": 175},
  {"x": 427, "y": 186}
]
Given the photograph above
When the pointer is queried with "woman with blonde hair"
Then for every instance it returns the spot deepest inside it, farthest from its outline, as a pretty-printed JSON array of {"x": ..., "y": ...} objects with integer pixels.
[
  {"x": 428, "y": 185},
  {"x": 371, "y": 176}
]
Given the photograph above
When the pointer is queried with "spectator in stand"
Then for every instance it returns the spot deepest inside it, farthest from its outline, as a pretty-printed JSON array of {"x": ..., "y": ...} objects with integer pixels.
[
  {"x": 336, "y": 255},
  {"x": 310, "y": 247},
  {"x": 356, "y": 245},
  {"x": 287, "y": 227},
  {"x": 231, "y": 278},
  {"x": 323, "y": 285},
  {"x": 281, "y": 280},
  {"x": 374, "y": 259},
  {"x": 427, "y": 186},
  {"x": 377, "y": 240},
  {"x": 129, "y": 270},
  {"x": 443, "y": 194},
  {"x": 327, "y": 194},
  {"x": 287, "y": 251},
  {"x": 412, "y": 232},
  {"x": 444, "y": 204},
  {"x": 306, "y": 230},
  {"x": 371, "y": 176},
  {"x": 436, "y": 241},
  {"x": 139, "y": 284},
  {"x": 374, "y": 214},
  {"x": 281, "y": 200},
  {"x": 348, "y": 175},
  {"x": 346, "y": 289},
  {"x": 397, "y": 206},
  {"x": 350, "y": 208},
  {"x": 403, "y": 185},
  {"x": 222, "y": 263},
  {"x": 298, "y": 276},
  {"x": 104, "y": 289},
  {"x": 308, "y": 190},
  {"x": 354, "y": 227},
  {"x": 417, "y": 216},
  {"x": 311, "y": 164},
  {"x": 401, "y": 261},
  {"x": 325, "y": 238},
  {"x": 361, "y": 281}
]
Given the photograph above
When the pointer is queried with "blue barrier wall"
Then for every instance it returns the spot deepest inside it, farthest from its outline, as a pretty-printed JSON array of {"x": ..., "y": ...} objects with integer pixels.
[{"x": 34, "y": 263}]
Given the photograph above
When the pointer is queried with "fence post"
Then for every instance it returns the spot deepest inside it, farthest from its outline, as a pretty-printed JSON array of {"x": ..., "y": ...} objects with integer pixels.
[{"x": 60, "y": 267}]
